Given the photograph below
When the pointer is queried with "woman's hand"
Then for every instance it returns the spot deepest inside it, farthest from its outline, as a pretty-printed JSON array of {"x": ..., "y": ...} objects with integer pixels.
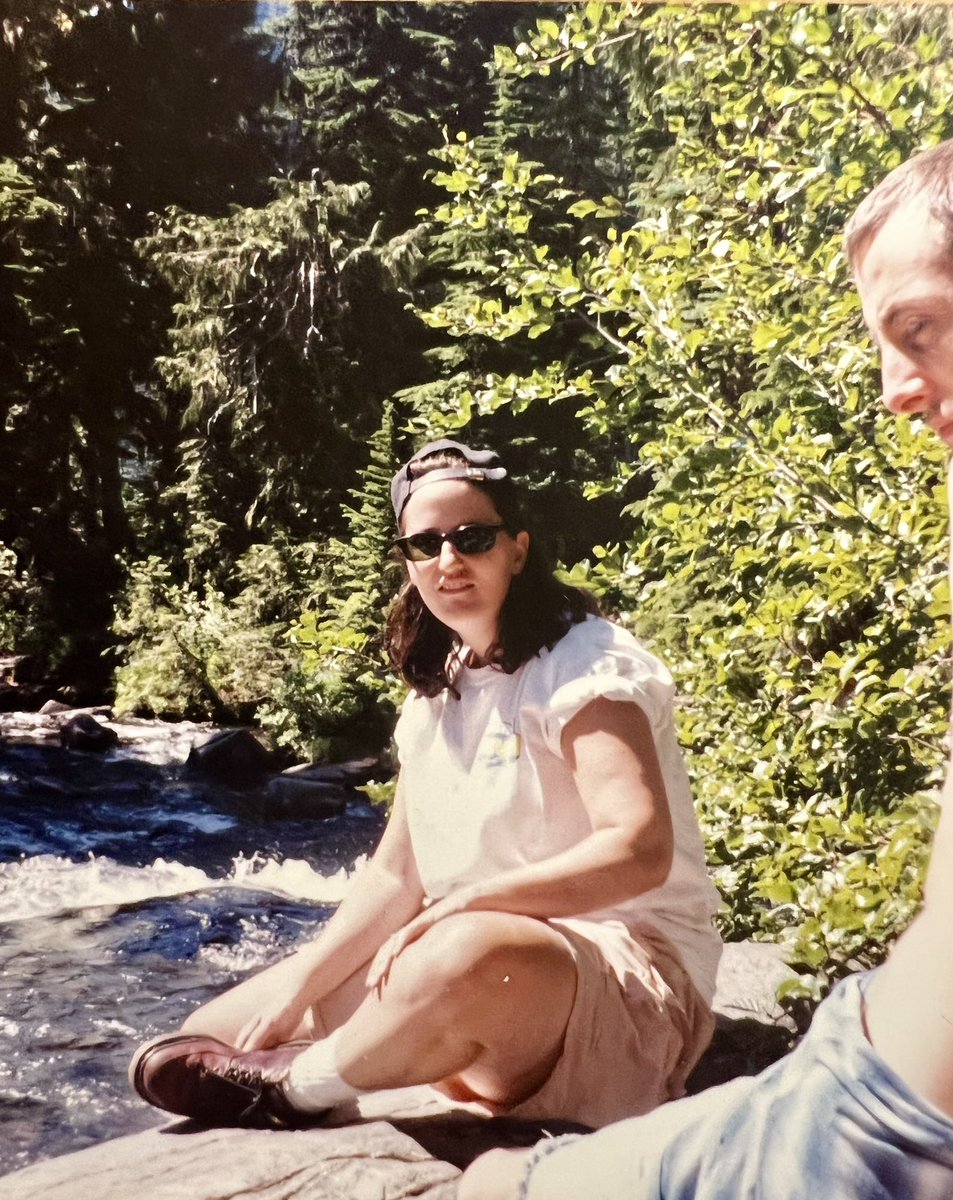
[
  {"x": 457, "y": 902},
  {"x": 494, "y": 1176},
  {"x": 277, "y": 1022}
]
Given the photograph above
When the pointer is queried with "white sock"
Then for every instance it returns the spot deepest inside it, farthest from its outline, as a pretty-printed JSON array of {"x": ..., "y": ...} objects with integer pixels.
[{"x": 313, "y": 1083}]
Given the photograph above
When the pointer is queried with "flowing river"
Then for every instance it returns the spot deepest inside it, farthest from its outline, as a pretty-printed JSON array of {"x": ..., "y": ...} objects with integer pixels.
[{"x": 129, "y": 894}]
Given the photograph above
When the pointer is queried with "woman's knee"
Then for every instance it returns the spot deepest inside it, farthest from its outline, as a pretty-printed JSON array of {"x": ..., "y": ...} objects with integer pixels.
[{"x": 470, "y": 948}]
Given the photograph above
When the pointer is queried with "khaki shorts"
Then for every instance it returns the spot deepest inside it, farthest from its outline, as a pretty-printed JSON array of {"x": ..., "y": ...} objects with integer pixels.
[{"x": 636, "y": 1029}]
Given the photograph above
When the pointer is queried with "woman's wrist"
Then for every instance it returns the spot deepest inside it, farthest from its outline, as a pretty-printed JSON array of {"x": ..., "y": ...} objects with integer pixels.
[{"x": 471, "y": 898}]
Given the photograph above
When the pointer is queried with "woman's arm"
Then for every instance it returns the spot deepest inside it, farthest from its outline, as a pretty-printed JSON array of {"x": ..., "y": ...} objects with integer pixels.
[
  {"x": 609, "y": 748},
  {"x": 382, "y": 898}
]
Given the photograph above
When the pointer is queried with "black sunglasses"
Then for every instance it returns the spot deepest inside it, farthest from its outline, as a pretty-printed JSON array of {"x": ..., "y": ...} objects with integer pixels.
[{"x": 468, "y": 539}]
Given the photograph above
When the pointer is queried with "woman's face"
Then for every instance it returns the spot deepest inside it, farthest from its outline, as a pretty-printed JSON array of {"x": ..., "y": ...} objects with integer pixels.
[{"x": 464, "y": 591}]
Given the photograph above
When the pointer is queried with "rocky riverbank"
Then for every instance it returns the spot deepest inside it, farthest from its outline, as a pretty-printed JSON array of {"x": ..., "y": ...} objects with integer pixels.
[
  {"x": 163, "y": 743},
  {"x": 131, "y": 898},
  {"x": 232, "y": 757}
]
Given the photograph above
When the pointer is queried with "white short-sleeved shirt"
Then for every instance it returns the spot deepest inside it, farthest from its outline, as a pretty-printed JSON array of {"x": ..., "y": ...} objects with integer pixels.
[{"x": 487, "y": 787}]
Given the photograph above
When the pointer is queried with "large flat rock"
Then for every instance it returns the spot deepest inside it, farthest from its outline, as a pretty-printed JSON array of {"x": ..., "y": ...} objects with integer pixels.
[
  {"x": 375, "y": 1160},
  {"x": 752, "y": 1030},
  {"x": 749, "y": 975},
  {"x": 363, "y": 1162},
  {"x": 411, "y": 1142}
]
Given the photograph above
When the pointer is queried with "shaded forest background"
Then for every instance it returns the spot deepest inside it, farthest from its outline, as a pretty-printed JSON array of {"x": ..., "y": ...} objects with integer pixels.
[{"x": 246, "y": 264}]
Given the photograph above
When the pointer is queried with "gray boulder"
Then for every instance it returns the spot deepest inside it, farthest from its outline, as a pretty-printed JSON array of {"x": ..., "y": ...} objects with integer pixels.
[
  {"x": 84, "y": 732},
  {"x": 393, "y": 1145},
  {"x": 303, "y": 797},
  {"x": 233, "y": 756},
  {"x": 351, "y": 774}
]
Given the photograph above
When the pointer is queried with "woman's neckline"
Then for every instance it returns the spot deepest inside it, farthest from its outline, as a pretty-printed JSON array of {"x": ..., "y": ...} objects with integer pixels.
[{"x": 472, "y": 668}]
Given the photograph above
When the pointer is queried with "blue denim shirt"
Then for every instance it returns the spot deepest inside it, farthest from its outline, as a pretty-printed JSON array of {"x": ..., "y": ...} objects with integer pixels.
[{"x": 830, "y": 1121}]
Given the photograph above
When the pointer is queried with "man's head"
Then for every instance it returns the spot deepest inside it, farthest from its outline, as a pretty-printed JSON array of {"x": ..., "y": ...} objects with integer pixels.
[
  {"x": 900, "y": 246},
  {"x": 928, "y": 175}
]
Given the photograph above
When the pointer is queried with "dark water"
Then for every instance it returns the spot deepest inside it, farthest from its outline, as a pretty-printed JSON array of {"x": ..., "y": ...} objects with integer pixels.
[{"x": 130, "y": 894}]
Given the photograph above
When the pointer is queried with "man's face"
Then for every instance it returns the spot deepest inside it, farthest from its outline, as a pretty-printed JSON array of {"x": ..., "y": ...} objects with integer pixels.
[{"x": 905, "y": 278}]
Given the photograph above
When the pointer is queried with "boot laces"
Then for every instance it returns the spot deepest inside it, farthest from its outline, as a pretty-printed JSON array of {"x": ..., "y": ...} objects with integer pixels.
[{"x": 266, "y": 1105}]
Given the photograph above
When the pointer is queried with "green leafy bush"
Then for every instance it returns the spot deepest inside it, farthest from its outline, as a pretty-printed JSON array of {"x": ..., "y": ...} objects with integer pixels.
[
  {"x": 788, "y": 555},
  {"x": 194, "y": 651}
]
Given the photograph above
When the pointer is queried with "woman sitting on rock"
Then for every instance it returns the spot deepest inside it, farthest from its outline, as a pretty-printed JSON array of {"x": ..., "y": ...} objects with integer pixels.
[{"x": 535, "y": 929}]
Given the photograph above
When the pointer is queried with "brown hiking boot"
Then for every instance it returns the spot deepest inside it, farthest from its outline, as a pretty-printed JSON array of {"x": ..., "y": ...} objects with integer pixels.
[{"x": 212, "y": 1082}]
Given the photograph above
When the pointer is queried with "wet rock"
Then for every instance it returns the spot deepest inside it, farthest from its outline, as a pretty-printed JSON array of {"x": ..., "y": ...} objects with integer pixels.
[
  {"x": 84, "y": 732},
  {"x": 312, "y": 791},
  {"x": 234, "y": 756},
  {"x": 302, "y": 797},
  {"x": 48, "y": 785},
  {"x": 352, "y": 774},
  {"x": 160, "y": 742}
]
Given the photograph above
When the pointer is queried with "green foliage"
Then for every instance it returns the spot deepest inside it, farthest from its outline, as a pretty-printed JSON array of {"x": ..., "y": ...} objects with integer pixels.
[
  {"x": 787, "y": 550},
  {"x": 343, "y": 698},
  {"x": 200, "y": 652},
  {"x": 20, "y": 204},
  {"x": 381, "y": 793},
  {"x": 376, "y": 81},
  {"x": 257, "y": 353},
  {"x": 632, "y": 276},
  {"x": 11, "y": 593},
  {"x": 374, "y": 127}
]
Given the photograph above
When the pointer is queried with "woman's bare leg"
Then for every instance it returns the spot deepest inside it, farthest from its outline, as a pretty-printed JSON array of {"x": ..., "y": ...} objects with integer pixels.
[
  {"x": 226, "y": 1015},
  {"x": 480, "y": 1002}
]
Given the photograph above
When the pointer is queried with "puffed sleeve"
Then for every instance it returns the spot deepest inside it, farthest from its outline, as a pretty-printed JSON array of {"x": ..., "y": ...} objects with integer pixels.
[
  {"x": 595, "y": 659},
  {"x": 413, "y": 715}
]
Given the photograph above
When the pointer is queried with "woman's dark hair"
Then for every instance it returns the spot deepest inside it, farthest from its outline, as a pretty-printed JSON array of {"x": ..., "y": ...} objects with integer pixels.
[{"x": 537, "y": 612}]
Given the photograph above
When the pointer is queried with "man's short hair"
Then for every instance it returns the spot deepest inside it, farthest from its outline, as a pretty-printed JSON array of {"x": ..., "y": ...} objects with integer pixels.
[{"x": 929, "y": 173}]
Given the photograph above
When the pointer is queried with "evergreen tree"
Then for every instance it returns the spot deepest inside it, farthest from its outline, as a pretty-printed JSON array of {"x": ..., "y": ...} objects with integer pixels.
[
  {"x": 379, "y": 81},
  {"x": 344, "y": 698},
  {"x": 292, "y": 325},
  {"x": 270, "y": 440},
  {"x": 97, "y": 129},
  {"x": 554, "y": 136}
]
